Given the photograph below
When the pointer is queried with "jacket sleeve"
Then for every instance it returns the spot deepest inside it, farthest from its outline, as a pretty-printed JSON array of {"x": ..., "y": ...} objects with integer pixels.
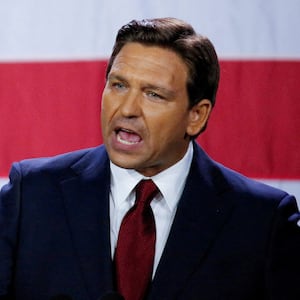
[
  {"x": 9, "y": 218},
  {"x": 283, "y": 258}
]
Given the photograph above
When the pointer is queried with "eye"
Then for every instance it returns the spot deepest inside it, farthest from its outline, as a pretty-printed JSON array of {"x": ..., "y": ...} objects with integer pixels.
[
  {"x": 118, "y": 85},
  {"x": 154, "y": 95}
]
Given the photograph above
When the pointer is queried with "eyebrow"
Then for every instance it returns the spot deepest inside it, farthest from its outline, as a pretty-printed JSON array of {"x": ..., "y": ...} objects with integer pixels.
[{"x": 116, "y": 77}]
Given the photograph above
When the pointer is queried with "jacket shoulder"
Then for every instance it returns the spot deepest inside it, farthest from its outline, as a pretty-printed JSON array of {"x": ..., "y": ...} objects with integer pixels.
[
  {"x": 224, "y": 179},
  {"x": 249, "y": 187},
  {"x": 55, "y": 165}
]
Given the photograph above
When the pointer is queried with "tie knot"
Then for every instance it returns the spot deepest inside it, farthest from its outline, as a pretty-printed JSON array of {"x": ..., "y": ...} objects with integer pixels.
[{"x": 146, "y": 190}]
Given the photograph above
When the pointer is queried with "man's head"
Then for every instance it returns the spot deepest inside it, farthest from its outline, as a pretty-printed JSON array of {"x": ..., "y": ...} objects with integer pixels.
[
  {"x": 196, "y": 51},
  {"x": 158, "y": 95}
]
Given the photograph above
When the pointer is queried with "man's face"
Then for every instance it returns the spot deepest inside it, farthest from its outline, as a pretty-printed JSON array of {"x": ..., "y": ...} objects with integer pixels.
[{"x": 145, "y": 118}]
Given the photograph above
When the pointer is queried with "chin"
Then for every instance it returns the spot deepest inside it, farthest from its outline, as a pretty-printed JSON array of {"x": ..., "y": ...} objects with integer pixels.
[{"x": 123, "y": 162}]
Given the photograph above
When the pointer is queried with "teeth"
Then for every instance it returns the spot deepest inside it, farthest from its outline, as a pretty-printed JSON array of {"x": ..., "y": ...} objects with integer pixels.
[
  {"x": 125, "y": 142},
  {"x": 126, "y": 130}
]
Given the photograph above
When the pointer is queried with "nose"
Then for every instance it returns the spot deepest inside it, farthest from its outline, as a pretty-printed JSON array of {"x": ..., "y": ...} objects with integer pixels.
[{"x": 130, "y": 105}]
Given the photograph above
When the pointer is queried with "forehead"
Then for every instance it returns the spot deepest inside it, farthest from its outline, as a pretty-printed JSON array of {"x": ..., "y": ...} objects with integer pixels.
[{"x": 150, "y": 62}]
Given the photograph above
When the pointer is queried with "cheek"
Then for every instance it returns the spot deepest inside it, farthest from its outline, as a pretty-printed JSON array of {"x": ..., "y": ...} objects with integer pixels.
[
  {"x": 107, "y": 107},
  {"x": 167, "y": 127},
  {"x": 105, "y": 115},
  {"x": 105, "y": 100}
]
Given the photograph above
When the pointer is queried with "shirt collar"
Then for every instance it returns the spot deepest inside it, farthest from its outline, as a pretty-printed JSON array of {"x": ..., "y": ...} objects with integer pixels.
[{"x": 170, "y": 181}]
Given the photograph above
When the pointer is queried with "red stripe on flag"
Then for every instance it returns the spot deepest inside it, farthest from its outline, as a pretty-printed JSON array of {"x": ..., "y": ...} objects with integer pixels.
[
  {"x": 50, "y": 108},
  {"x": 255, "y": 126}
]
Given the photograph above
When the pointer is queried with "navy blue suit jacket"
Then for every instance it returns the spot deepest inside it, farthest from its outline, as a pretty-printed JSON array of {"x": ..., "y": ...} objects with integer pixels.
[{"x": 232, "y": 238}]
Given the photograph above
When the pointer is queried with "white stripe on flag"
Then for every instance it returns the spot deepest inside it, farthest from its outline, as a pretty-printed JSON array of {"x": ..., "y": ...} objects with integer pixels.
[
  {"x": 3, "y": 181},
  {"x": 71, "y": 29}
]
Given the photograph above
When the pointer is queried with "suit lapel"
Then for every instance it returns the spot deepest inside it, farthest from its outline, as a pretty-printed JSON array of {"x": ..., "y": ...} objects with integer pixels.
[
  {"x": 86, "y": 198},
  {"x": 201, "y": 214}
]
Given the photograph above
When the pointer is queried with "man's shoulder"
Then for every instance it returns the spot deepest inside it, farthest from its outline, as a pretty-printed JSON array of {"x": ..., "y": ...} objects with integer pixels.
[
  {"x": 234, "y": 183},
  {"x": 250, "y": 187},
  {"x": 58, "y": 163}
]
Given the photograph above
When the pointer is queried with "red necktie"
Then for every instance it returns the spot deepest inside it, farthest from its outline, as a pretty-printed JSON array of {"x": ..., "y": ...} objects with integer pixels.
[{"x": 136, "y": 245}]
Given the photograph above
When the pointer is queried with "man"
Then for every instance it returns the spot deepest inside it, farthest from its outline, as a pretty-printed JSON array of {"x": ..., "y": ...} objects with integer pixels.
[{"x": 218, "y": 235}]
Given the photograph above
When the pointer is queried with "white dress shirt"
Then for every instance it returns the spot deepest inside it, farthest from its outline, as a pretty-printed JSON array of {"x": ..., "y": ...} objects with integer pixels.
[{"x": 170, "y": 182}]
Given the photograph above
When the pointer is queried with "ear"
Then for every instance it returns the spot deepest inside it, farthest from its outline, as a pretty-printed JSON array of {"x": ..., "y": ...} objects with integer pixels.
[{"x": 198, "y": 116}]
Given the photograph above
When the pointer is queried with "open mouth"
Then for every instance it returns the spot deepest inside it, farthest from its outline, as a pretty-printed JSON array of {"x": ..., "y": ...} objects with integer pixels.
[{"x": 128, "y": 137}]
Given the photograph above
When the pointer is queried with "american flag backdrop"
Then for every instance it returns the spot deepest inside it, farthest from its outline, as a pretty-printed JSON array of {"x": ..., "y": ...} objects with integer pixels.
[{"x": 53, "y": 55}]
